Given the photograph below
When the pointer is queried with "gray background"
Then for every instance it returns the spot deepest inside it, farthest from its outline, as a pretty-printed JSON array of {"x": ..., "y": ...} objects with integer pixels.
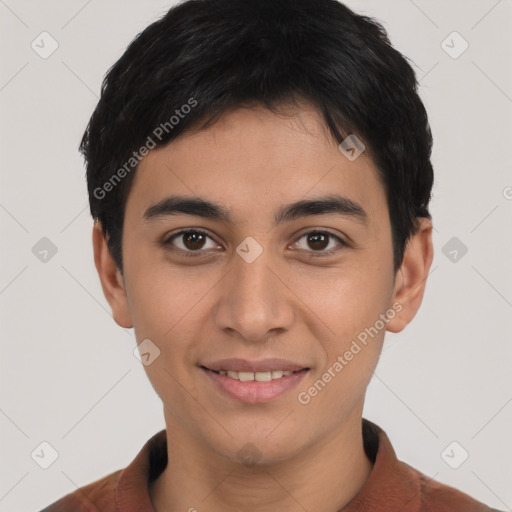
[{"x": 68, "y": 373}]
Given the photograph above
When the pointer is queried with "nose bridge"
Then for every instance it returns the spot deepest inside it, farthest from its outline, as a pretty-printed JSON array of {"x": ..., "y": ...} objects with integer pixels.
[
  {"x": 253, "y": 303},
  {"x": 252, "y": 279}
]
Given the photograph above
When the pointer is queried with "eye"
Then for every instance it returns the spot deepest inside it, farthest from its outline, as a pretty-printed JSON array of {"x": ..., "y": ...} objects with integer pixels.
[
  {"x": 190, "y": 241},
  {"x": 319, "y": 241}
]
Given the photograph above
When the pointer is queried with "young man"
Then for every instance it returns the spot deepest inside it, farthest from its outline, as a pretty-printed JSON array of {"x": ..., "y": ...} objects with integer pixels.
[{"x": 259, "y": 173}]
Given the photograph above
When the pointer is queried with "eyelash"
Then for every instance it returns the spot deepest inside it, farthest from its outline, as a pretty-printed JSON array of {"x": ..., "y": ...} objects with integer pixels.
[{"x": 315, "y": 254}]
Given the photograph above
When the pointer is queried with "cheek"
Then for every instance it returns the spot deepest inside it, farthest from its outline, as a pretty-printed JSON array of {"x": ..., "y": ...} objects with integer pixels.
[
  {"x": 163, "y": 298},
  {"x": 350, "y": 301},
  {"x": 169, "y": 306},
  {"x": 166, "y": 309},
  {"x": 347, "y": 299},
  {"x": 351, "y": 306}
]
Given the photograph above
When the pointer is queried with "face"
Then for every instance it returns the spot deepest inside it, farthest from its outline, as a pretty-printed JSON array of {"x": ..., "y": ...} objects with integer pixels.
[{"x": 253, "y": 285}]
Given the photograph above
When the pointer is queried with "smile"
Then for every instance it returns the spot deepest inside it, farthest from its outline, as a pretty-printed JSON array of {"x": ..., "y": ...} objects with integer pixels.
[
  {"x": 253, "y": 387},
  {"x": 257, "y": 376}
]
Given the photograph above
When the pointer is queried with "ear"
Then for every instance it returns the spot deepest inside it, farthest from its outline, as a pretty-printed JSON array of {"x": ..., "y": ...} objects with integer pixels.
[
  {"x": 411, "y": 278},
  {"x": 111, "y": 278}
]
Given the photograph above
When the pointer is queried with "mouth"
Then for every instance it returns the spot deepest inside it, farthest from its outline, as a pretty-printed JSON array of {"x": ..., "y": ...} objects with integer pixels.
[{"x": 254, "y": 382}]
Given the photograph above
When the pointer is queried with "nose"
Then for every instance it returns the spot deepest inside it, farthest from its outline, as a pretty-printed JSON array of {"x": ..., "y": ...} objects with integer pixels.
[{"x": 255, "y": 303}]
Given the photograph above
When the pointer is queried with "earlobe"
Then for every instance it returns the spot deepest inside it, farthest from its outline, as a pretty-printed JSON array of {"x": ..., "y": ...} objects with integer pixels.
[
  {"x": 111, "y": 279},
  {"x": 412, "y": 276}
]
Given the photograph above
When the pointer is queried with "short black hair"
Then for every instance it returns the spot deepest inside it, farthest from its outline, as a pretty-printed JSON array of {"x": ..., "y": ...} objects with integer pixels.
[{"x": 206, "y": 57}]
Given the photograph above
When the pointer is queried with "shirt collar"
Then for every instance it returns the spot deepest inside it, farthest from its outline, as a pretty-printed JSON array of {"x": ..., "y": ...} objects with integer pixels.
[{"x": 392, "y": 484}]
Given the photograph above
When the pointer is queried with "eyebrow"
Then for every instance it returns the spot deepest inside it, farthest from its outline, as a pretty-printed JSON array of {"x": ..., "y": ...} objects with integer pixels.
[{"x": 326, "y": 205}]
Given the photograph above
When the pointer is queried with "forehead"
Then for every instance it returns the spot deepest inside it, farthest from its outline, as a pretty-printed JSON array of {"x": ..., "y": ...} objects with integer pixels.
[{"x": 256, "y": 159}]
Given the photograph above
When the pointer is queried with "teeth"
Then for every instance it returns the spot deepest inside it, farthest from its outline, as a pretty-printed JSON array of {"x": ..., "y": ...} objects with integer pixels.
[
  {"x": 246, "y": 376},
  {"x": 257, "y": 376},
  {"x": 263, "y": 376}
]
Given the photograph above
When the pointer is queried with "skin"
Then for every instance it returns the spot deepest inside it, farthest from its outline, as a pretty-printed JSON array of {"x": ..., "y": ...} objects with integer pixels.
[{"x": 287, "y": 303}]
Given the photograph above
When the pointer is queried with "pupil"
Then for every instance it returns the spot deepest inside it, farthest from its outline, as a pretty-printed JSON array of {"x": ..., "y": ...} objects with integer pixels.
[
  {"x": 194, "y": 240},
  {"x": 318, "y": 237}
]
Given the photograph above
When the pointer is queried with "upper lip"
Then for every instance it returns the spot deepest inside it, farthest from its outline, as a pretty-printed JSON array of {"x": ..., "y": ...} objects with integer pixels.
[{"x": 263, "y": 365}]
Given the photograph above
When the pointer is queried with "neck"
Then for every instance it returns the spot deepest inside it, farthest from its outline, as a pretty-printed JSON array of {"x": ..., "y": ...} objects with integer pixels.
[{"x": 326, "y": 475}]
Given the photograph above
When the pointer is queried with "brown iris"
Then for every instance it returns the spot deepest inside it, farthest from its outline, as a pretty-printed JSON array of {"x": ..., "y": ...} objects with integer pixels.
[
  {"x": 193, "y": 240},
  {"x": 318, "y": 241}
]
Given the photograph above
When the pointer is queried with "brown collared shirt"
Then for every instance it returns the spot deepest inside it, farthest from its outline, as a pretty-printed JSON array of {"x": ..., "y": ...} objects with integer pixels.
[{"x": 393, "y": 485}]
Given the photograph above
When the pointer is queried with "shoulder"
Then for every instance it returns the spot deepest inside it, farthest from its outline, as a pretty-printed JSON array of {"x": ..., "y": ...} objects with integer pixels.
[
  {"x": 443, "y": 498},
  {"x": 395, "y": 485},
  {"x": 98, "y": 495}
]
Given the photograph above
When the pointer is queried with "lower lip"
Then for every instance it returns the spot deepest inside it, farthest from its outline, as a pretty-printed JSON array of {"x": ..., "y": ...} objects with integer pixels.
[{"x": 254, "y": 392}]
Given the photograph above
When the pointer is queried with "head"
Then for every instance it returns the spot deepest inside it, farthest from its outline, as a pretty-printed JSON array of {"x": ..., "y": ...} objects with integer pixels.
[{"x": 236, "y": 109}]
